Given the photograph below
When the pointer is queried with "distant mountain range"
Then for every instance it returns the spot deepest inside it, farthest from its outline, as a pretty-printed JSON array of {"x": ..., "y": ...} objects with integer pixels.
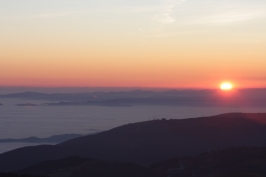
[
  {"x": 242, "y": 97},
  {"x": 51, "y": 139},
  {"x": 150, "y": 142}
]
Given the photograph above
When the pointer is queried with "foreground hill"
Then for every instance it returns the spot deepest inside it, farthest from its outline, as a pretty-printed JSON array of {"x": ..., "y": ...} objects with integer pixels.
[
  {"x": 18, "y": 175},
  {"x": 74, "y": 166},
  {"x": 229, "y": 162},
  {"x": 152, "y": 141}
]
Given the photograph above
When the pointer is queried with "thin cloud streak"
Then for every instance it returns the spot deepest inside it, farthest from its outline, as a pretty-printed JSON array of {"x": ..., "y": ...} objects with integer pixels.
[
  {"x": 165, "y": 16},
  {"x": 162, "y": 13},
  {"x": 225, "y": 12},
  {"x": 166, "y": 10},
  {"x": 231, "y": 17}
]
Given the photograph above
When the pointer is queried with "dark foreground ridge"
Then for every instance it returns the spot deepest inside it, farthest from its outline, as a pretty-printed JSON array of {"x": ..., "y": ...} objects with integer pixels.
[
  {"x": 75, "y": 166},
  {"x": 18, "y": 175},
  {"x": 150, "y": 142},
  {"x": 229, "y": 162}
]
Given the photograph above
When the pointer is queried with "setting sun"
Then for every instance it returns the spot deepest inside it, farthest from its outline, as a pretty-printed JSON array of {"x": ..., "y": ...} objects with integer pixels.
[{"x": 226, "y": 86}]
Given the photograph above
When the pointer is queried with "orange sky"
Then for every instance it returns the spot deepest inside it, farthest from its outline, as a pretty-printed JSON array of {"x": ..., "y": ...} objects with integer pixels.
[{"x": 180, "y": 44}]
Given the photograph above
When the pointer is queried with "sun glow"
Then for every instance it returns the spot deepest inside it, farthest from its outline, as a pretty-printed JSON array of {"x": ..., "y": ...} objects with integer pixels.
[{"x": 226, "y": 86}]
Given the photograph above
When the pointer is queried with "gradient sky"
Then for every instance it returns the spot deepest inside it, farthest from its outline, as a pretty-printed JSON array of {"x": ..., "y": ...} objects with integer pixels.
[{"x": 122, "y": 43}]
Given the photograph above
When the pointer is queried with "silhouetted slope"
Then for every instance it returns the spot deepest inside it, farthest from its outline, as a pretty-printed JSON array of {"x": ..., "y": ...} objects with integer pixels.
[
  {"x": 240, "y": 161},
  {"x": 17, "y": 175},
  {"x": 151, "y": 141},
  {"x": 74, "y": 166}
]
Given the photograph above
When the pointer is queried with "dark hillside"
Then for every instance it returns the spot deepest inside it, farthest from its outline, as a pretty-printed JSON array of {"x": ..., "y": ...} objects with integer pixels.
[
  {"x": 229, "y": 162},
  {"x": 74, "y": 166},
  {"x": 152, "y": 141},
  {"x": 18, "y": 175}
]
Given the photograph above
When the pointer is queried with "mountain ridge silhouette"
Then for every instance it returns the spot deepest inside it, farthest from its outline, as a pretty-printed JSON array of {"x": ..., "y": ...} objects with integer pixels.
[{"x": 149, "y": 142}]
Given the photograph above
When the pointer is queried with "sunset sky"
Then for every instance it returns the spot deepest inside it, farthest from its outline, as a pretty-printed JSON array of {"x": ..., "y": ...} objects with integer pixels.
[{"x": 132, "y": 43}]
